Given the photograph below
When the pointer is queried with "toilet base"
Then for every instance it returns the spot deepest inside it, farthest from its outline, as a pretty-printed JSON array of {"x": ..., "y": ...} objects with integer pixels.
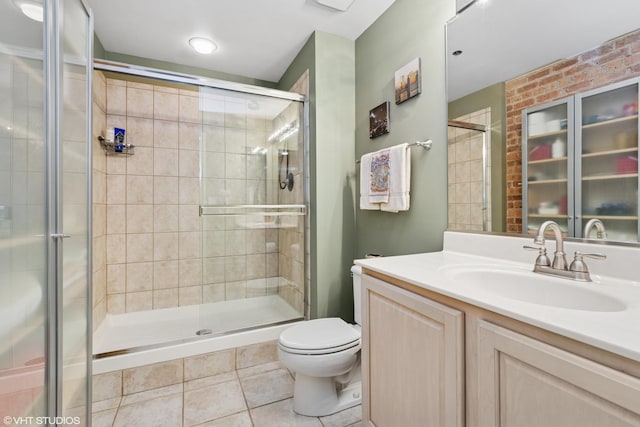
[{"x": 317, "y": 397}]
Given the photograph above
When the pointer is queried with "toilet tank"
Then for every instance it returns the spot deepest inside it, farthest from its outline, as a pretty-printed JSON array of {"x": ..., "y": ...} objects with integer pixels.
[{"x": 356, "y": 272}]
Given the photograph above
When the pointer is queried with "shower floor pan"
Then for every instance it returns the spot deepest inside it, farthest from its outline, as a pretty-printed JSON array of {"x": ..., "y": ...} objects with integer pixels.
[{"x": 143, "y": 329}]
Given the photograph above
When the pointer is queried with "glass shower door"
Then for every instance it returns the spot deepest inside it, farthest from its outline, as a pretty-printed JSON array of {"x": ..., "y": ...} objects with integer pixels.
[
  {"x": 74, "y": 174},
  {"x": 23, "y": 270},
  {"x": 253, "y": 210}
]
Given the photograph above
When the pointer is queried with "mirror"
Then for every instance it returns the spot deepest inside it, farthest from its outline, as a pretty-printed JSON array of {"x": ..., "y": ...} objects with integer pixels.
[{"x": 498, "y": 52}]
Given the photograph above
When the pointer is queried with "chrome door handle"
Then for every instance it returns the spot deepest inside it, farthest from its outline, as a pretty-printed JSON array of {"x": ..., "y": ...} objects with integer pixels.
[{"x": 60, "y": 236}]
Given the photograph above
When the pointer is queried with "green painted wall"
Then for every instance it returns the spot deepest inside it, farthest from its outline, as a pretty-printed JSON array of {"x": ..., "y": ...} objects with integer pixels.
[
  {"x": 408, "y": 29},
  {"x": 98, "y": 48},
  {"x": 331, "y": 63},
  {"x": 494, "y": 98}
]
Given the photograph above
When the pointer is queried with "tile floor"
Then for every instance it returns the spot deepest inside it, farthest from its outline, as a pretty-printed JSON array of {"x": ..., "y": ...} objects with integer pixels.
[{"x": 258, "y": 396}]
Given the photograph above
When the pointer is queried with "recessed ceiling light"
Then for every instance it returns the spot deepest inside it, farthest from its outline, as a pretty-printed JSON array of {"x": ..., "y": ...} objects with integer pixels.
[
  {"x": 31, "y": 9},
  {"x": 202, "y": 45}
]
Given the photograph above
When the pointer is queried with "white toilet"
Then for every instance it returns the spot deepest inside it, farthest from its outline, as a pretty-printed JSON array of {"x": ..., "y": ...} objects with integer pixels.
[{"x": 325, "y": 356}]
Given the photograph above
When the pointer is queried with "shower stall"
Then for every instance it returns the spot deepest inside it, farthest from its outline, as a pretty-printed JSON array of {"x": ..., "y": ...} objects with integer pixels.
[
  {"x": 201, "y": 216},
  {"x": 45, "y": 250}
]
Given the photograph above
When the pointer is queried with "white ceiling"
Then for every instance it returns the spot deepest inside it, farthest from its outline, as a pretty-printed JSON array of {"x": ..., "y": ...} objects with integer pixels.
[{"x": 256, "y": 38}]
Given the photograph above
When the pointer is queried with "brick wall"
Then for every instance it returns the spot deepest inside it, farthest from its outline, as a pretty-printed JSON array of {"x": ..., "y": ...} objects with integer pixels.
[{"x": 614, "y": 61}]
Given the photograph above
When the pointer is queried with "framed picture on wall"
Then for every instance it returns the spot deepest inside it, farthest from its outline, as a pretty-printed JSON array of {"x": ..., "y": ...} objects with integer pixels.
[
  {"x": 379, "y": 120},
  {"x": 407, "y": 81}
]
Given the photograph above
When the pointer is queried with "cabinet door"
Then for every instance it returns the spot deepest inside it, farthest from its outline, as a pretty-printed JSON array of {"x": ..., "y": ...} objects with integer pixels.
[
  {"x": 547, "y": 166},
  {"x": 607, "y": 160},
  {"x": 523, "y": 382},
  {"x": 412, "y": 359}
]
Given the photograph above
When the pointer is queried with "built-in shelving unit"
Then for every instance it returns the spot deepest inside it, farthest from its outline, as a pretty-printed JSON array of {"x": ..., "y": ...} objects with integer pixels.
[{"x": 580, "y": 161}]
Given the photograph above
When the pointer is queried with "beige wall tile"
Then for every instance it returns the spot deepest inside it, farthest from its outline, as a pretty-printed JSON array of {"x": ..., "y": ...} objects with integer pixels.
[
  {"x": 165, "y": 298},
  {"x": 166, "y": 134},
  {"x": 139, "y": 276},
  {"x": 213, "y": 270},
  {"x": 190, "y": 245},
  {"x": 165, "y": 190},
  {"x": 190, "y": 272},
  {"x": 139, "y": 189},
  {"x": 213, "y": 293},
  {"x": 189, "y": 137},
  {"x": 257, "y": 354},
  {"x": 190, "y": 109},
  {"x": 138, "y": 301},
  {"x": 165, "y": 218},
  {"x": 116, "y": 219},
  {"x": 139, "y": 132},
  {"x": 235, "y": 268},
  {"x": 116, "y": 278},
  {"x": 139, "y": 102},
  {"x": 165, "y": 246},
  {"x": 189, "y": 191},
  {"x": 189, "y": 163},
  {"x": 141, "y": 163},
  {"x": 116, "y": 189},
  {"x": 214, "y": 243},
  {"x": 165, "y": 162},
  {"x": 213, "y": 138},
  {"x": 140, "y": 247},
  {"x": 116, "y": 303},
  {"x": 139, "y": 218},
  {"x": 190, "y": 218},
  {"x": 191, "y": 295},
  {"x": 209, "y": 364},
  {"x": 165, "y": 274},
  {"x": 116, "y": 99},
  {"x": 116, "y": 248},
  {"x": 165, "y": 106}
]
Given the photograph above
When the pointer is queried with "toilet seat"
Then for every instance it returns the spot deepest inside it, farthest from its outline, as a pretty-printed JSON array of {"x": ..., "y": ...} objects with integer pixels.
[{"x": 320, "y": 336}]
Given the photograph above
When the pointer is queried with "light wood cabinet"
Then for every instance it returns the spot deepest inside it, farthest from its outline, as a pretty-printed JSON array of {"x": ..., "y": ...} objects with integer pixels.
[
  {"x": 412, "y": 359},
  {"x": 431, "y": 360},
  {"x": 523, "y": 382}
]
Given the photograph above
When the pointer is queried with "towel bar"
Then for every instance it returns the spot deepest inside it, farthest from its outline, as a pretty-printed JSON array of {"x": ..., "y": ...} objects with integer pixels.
[{"x": 424, "y": 144}]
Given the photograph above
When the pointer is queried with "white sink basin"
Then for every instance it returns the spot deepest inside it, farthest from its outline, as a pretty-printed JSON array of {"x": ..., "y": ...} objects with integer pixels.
[{"x": 533, "y": 288}]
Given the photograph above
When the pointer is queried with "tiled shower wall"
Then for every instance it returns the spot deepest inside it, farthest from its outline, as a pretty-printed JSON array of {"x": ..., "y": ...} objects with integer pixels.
[
  {"x": 158, "y": 252},
  {"x": 465, "y": 173},
  {"x": 99, "y": 204}
]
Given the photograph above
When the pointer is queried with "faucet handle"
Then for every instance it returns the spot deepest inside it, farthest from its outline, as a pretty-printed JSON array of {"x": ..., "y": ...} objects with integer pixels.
[
  {"x": 543, "y": 258},
  {"x": 578, "y": 263}
]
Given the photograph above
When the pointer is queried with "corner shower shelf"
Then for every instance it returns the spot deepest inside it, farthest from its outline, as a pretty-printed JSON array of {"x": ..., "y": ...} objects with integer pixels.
[
  {"x": 260, "y": 216},
  {"x": 111, "y": 148}
]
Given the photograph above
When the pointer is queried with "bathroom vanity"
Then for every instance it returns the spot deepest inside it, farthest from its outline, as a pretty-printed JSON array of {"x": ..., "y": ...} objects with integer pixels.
[{"x": 455, "y": 338}]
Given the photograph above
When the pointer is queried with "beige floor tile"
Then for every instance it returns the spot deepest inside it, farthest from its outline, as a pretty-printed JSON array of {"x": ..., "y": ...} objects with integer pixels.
[
  {"x": 259, "y": 369},
  {"x": 281, "y": 414},
  {"x": 210, "y": 403},
  {"x": 104, "y": 405},
  {"x": 268, "y": 387},
  {"x": 163, "y": 411},
  {"x": 103, "y": 418},
  {"x": 343, "y": 418},
  {"x": 209, "y": 381},
  {"x": 151, "y": 394},
  {"x": 257, "y": 354},
  {"x": 152, "y": 376},
  {"x": 236, "y": 420}
]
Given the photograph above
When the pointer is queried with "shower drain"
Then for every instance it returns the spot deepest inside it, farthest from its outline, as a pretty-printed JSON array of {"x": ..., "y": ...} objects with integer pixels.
[{"x": 204, "y": 332}]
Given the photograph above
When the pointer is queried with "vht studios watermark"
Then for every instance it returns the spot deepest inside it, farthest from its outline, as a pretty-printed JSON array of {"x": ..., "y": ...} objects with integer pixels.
[{"x": 31, "y": 421}]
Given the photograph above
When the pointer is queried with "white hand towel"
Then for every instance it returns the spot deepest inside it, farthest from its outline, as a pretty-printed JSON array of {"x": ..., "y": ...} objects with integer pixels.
[
  {"x": 399, "y": 179},
  {"x": 365, "y": 183}
]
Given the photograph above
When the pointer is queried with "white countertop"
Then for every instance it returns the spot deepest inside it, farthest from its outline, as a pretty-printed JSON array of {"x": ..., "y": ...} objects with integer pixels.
[{"x": 616, "y": 277}]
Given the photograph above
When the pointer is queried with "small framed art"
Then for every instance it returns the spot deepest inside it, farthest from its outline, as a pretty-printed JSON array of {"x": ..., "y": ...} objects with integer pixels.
[
  {"x": 407, "y": 81},
  {"x": 379, "y": 120}
]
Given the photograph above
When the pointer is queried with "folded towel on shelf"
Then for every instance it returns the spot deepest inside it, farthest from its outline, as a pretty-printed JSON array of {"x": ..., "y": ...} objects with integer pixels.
[
  {"x": 399, "y": 179},
  {"x": 365, "y": 183},
  {"x": 379, "y": 182}
]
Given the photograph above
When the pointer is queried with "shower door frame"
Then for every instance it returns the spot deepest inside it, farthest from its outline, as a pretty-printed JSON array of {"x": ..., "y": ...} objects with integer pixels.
[{"x": 176, "y": 77}]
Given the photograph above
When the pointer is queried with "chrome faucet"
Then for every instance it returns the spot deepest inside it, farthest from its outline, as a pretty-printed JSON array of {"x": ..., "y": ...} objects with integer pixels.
[
  {"x": 599, "y": 226},
  {"x": 559, "y": 258},
  {"x": 577, "y": 270}
]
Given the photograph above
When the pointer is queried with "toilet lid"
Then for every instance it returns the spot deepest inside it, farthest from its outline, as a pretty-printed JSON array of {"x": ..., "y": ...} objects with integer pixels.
[{"x": 320, "y": 334}]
